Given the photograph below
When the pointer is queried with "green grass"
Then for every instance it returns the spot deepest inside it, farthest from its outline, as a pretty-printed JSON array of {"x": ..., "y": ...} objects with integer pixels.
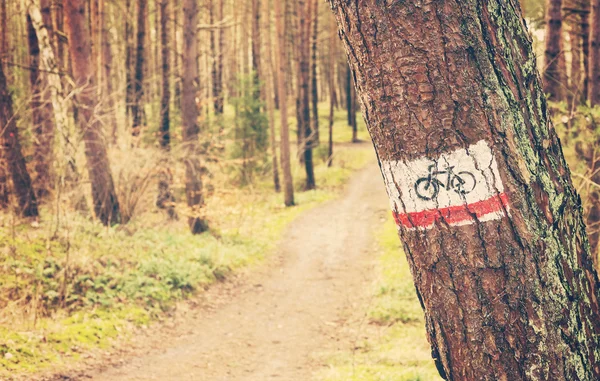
[
  {"x": 399, "y": 350},
  {"x": 67, "y": 291}
]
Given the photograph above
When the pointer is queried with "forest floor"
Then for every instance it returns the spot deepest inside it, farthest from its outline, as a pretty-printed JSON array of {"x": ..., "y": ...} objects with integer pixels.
[
  {"x": 286, "y": 319},
  {"x": 272, "y": 324}
]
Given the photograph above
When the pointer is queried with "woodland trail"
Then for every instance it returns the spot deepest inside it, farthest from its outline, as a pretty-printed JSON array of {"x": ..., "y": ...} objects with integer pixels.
[{"x": 309, "y": 299}]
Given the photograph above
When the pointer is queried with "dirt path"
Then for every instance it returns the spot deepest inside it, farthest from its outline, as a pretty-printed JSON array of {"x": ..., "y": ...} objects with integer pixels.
[{"x": 307, "y": 300}]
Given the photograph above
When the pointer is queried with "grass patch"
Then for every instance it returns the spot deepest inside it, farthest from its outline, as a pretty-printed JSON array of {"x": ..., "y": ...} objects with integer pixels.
[{"x": 401, "y": 351}]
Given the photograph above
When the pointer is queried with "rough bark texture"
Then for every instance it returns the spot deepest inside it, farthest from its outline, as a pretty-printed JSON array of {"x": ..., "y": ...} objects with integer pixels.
[
  {"x": 286, "y": 169},
  {"x": 41, "y": 108},
  {"x": 594, "y": 55},
  {"x": 106, "y": 205},
  {"x": 11, "y": 147},
  {"x": 189, "y": 113},
  {"x": 553, "y": 75},
  {"x": 514, "y": 298}
]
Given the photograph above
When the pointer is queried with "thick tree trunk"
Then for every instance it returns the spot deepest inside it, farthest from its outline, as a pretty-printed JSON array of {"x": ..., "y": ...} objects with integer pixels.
[
  {"x": 553, "y": 75},
  {"x": 138, "y": 82},
  {"x": 491, "y": 222},
  {"x": 11, "y": 147},
  {"x": 189, "y": 113},
  {"x": 41, "y": 109},
  {"x": 106, "y": 205},
  {"x": 280, "y": 26}
]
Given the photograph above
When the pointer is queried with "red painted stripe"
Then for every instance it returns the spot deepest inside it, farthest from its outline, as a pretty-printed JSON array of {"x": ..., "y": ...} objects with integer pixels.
[{"x": 453, "y": 214}]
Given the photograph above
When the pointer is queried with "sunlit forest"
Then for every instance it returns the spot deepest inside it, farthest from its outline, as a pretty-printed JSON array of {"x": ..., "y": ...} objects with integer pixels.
[{"x": 189, "y": 190}]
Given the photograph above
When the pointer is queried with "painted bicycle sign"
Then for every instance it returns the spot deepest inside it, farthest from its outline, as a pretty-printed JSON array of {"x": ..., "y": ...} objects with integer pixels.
[
  {"x": 428, "y": 188},
  {"x": 458, "y": 188}
]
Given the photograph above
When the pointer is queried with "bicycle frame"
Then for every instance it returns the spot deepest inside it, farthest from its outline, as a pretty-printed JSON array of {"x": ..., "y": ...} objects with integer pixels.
[{"x": 433, "y": 174}]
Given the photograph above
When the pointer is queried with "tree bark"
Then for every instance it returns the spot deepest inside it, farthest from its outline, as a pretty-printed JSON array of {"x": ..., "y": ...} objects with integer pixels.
[
  {"x": 332, "y": 76},
  {"x": 553, "y": 79},
  {"x": 190, "y": 112},
  {"x": 576, "y": 80},
  {"x": 217, "y": 57},
  {"x": 11, "y": 147},
  {"x": 270, "y": 93},
  {"x": 106, "y": 204},
  {"x": 314, "y": 80},
  {"x": 304, "y": 120},
  {"x": 280, "y": 26},
  {"x": 499, "y": 253},
  {"x": 584, "y": 18},
  {"x": 165, "y": 199},
  {"x": 67, "y": 167},
  {"x": 138, "y": 82},
  {"x": 129, "y": 85},
  {"x": 594, "y": 55},
  {"x": 41, "y": 108}
]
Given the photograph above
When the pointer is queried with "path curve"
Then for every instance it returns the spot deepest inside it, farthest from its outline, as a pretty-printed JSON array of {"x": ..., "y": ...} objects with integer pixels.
[{"x": 275, "y": 327}]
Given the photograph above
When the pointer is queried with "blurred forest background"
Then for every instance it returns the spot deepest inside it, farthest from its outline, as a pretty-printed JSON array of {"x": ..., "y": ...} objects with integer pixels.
[{"x": 151, "y": 147}]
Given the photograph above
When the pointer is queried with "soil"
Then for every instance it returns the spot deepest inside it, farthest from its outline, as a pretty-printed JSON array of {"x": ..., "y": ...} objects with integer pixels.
[{"x": 276, "y": 322}]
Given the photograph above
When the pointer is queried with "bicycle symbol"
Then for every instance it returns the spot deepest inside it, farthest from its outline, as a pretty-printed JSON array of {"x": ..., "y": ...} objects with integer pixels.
[{"x": 428, "y": 188}]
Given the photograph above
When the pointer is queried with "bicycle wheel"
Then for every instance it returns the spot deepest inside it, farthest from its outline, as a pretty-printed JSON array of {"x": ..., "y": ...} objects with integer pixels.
[
  {"x": 426, "y": 188},
  {"x": 464, "y": 182}
]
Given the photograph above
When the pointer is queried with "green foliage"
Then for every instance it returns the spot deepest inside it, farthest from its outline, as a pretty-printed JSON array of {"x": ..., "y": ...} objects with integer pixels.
[
  {"x": 398, "y": 350},
  {"x": 249, "y": 151}
]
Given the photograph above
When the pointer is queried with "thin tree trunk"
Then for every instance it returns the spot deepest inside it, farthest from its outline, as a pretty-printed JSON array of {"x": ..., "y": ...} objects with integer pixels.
[
  {"x": 576, "y": 77},
  {"x": 584, "y": 18},
  {"x": 499, "y": 253},
  {"x": 332, "y": 76},
  {"x": 137, "y": 109},
  {"x": 280, "y": 26},
  {"x": 106, "y": 205},
  {"x": 594, "y": 55},
  {"x": 165, "y": 199},
  {"x": 553, "y": 75},
  {"x": 11, "y": 147},
  {"x": 190, "y": 112},
  {"x": 4, "y": 49},
  {"x": 307, "y": 141},
  {"x": 67, "y": 168},
  {"x": 41, "y": 109},
  {"x": 256, "y": 44},
  {"x": 314, "y": 141},
  {"x": 269, "y": 94},
  {"x": 129, "y": 86},
  {"x": 106, "y": 69}
]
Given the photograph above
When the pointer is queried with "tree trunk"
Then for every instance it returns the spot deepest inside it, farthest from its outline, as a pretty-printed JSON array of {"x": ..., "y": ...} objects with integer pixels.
[
  {"x": 138, "y": 82},
  {"x": 332, "y": 65},
  {"x": 106, "y": 69},
  {"x": 165, "y": 199},
  {"x": 217, "y": 57},
  {"x": 280, "y": 26},
  {"x": 129, "y": 86},
  {"x": 553, "y": 79},
  {"x": 270, "y": 93},
  {"x": 11, "y": 147},
  {"x": 314, "y": 84},
  {"x": 3, "y": 31},
  {"x": 491, "y": 223},
  {"x": 106, "y": 205},
  {"x": 594, "y": 55},
  {"x": 304, "y": 85},
  {"x": 576, "y": 77},
  {"x": 41, "y": 108},
  {"x": 584, "y": 18},
  {"x": 67, "y": 168},
  {"x": 189, "y": 113}
]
